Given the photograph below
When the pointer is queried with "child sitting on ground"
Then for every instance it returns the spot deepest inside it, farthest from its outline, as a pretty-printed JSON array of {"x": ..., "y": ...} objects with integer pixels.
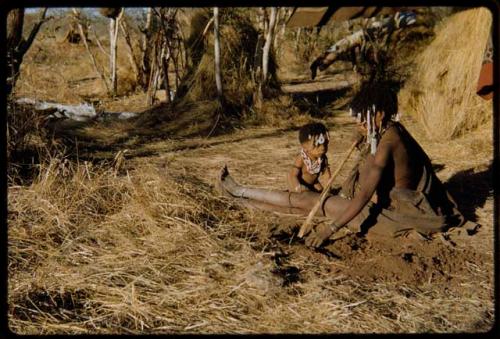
[{"x": 311, "y": 163}]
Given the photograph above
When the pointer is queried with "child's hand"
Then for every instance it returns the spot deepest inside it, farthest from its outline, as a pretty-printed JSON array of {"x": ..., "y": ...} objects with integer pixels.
[
  {"x": 299, "y": 188},
  {"x": 318, "y": 187}
]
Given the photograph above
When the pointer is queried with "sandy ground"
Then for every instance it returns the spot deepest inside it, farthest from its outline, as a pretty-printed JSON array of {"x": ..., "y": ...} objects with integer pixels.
[{"x": 456, "y": 270}]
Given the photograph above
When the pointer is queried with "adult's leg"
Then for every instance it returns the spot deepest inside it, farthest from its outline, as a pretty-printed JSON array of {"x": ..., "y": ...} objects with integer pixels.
[
  {"x": 273, "y": 208},
  {"x": 303, "y": 200},
  {"x": 334, "y": 206}
]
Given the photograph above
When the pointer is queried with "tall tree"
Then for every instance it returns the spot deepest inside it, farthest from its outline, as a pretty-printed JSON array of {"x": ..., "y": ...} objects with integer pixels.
[{"x": 17, "y": 46}]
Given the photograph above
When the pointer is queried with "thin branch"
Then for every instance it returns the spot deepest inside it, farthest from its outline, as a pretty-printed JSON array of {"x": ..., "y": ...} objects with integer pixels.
[
  {"x": 92, "y": 58},
  {"x": 98, "y": 41},
  {"x": 132, "y": 57}
]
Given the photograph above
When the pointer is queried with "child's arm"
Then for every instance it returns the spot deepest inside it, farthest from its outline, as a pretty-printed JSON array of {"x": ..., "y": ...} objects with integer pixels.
[{"x": 294, "y": 174}]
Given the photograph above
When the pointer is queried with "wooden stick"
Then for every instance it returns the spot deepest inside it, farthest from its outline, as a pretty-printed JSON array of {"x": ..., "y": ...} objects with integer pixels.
[{"x": 306, "y": 227}]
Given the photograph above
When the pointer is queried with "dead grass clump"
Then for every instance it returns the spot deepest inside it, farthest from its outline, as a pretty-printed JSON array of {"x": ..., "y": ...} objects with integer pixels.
[
  {"x": 24, "y": 125},
  {"x": 442, "y": 91},
  {"x": 146, "y": 251},
  {"x": 280, "y": 111}
]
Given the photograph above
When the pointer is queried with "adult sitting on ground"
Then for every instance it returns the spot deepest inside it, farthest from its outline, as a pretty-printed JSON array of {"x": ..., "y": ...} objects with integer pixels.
[{"x": 398, "y": 189}]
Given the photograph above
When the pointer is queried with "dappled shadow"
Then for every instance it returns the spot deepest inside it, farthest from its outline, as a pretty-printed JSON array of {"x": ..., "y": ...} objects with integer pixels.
[
  {"x": 318, "y": 100},
  {"x": 81, "y": 145},
  {"x": 209, "y": 143},
  {"x": 21, "y": 168},
  {"x": 471, "y": 190}
]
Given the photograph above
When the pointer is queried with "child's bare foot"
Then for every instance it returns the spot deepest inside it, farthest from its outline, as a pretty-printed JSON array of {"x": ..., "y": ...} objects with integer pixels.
[{"x": 228, "y": 184}]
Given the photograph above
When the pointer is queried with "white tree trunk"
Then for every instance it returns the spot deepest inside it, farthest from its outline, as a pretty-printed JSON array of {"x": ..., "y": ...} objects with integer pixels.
[
  {"x": 113, "y": 36},
  {"x": 218, "y": 77},
  {"x": 268, "y": 44}
]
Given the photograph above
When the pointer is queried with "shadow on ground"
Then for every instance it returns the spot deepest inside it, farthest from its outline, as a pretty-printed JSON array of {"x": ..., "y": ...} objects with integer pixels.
[{"x": 471, "y": 189}]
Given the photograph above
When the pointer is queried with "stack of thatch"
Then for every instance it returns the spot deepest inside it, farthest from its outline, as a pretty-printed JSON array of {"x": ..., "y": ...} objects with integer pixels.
[
  {"x": 239, "y": 41},
  {"x": 442, "y": 90}
]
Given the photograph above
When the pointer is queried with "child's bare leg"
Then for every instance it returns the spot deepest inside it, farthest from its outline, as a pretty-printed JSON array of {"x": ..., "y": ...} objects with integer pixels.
[{"x": 304, "y": 200}]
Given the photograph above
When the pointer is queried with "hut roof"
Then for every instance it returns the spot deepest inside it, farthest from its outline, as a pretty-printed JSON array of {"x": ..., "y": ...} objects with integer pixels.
[{"x": 319, "y": 16}]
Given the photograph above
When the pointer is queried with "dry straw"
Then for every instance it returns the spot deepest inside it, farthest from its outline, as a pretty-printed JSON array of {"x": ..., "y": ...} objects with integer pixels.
[
  {"x": 154, "y": 249},
  {"x": 442, "y": 91}
]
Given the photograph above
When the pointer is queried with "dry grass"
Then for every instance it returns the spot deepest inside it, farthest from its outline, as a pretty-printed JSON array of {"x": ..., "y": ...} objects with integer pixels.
[
  {"x": 151, "y": 248},
  {"x": 143, "y": 243},
  {"x": 442, "y": 91},
  {"x": 62, "y": 72}
]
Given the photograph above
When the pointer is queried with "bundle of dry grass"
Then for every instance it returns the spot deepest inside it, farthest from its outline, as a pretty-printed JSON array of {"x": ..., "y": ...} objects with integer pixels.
[
  {"x": 239, "y": 58},
  {"x": 442, "y": 91}
]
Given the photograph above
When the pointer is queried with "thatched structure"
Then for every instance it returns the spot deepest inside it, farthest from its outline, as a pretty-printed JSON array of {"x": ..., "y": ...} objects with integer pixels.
[
  {"x": 239, "y": 40},
  {"x": 442, "y": 90}
]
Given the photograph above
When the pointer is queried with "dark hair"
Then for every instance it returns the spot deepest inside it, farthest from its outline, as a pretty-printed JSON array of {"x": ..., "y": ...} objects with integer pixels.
[
  {"x": 382, "y": 95},
  {"x": 312, "y": 130}
]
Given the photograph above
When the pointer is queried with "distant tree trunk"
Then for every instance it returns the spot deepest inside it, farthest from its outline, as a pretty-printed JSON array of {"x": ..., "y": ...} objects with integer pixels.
[
  {"x": 265, "y": 55},
  {"x": 113, "y": 35},
  {"x": 92, "y": 58},
  {"x": 268, "y": 44},
  {"x": 152, "y": 79},
  {"x": 17, "y": 46},
  {"x": 218, "y": 77},
  {"x": 146, "y": 48},
  {"x": 165, "y": 64},
  {"x": 132, "y": 57}
]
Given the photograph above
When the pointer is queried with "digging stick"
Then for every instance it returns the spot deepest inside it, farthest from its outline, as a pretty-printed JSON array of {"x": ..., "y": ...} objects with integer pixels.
[{"x": 307, "y": 224}]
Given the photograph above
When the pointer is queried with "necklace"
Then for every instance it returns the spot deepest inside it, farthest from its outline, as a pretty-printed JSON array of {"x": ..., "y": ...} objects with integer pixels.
[{"x": 313, "y": 167}]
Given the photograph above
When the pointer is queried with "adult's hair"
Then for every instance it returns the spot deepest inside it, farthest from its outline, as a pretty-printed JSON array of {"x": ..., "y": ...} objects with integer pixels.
[
  {"x": 381, "y": 95},
  {"x": 311, "y": 130}
]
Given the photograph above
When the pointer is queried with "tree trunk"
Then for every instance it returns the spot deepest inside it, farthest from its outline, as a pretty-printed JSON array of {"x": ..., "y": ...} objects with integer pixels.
[
  {"x": 218, "y": 77},
  {"x": 267, "y": 46},
  {"x": 146, "y": 49},
  {"x": 165, "y": 64},
  {"x": 16, "y": 45},
  {"x": 113, "y": 35},
  {"x": 151, "y": 89}
]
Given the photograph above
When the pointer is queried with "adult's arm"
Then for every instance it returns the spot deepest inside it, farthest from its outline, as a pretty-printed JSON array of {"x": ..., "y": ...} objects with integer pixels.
[{"x": 368, "y": 187}]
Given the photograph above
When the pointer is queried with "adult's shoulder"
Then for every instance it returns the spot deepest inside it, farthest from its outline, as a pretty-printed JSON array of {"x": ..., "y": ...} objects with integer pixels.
[{"x": 392, "y": 134}]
